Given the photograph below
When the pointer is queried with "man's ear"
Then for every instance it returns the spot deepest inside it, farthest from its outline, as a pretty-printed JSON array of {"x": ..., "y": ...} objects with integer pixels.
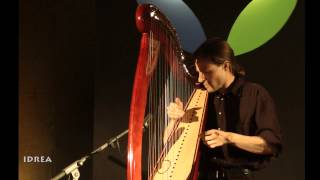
[{"x": 227, "y": 66}]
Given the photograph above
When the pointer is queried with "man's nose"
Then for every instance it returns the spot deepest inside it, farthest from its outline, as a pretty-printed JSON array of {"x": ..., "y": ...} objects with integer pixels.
[{"x": 201, "y": 77}]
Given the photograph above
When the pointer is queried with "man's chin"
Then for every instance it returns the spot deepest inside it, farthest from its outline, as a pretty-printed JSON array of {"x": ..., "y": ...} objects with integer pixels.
[{"x": 210, "y": 90}]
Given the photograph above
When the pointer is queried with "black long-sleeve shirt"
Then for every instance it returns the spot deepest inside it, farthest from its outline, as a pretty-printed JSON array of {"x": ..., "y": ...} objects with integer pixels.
[{"x": 248, "y": 109}]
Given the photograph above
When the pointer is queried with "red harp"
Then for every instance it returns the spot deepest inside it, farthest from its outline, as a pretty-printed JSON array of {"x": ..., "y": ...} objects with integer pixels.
[{"x": 161, "y": 76}]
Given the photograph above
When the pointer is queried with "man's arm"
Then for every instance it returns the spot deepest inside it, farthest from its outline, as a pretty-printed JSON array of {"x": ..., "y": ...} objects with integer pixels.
[
  {"x": 254, "y": 144},
  {"x": 168, "y": 130},
  {"x": 175, "y": 111}
]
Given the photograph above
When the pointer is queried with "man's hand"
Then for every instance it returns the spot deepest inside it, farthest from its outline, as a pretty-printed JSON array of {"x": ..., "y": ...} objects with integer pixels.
[
  {"x": 254, "y": 144},
  {"x": 175, "y": 110},
  {"x": 215, "y": 138}
]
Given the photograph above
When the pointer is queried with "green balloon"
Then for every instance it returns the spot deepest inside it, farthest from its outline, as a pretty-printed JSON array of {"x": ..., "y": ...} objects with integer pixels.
[{"x": 258, "y": 23}]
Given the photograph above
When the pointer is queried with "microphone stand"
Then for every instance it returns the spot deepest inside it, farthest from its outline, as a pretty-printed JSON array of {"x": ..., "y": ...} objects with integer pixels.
[{"x": 73, "y": 167}]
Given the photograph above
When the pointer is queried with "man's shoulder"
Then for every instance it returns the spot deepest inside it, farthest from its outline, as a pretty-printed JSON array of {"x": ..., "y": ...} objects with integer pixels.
[
  {"x": 254, "y": 88},
  {"x": 253, "y": 85}
]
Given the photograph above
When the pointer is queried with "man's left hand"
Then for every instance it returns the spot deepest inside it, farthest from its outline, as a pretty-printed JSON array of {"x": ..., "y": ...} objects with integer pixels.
[{"x": 215, "y": 138}]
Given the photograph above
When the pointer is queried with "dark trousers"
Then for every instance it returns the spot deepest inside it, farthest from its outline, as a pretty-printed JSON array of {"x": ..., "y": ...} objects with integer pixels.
[{"x": 227, "y": 174}]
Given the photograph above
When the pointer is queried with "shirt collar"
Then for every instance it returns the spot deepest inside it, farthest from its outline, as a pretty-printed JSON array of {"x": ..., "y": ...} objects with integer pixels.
[{"x": 234, "y": 87}]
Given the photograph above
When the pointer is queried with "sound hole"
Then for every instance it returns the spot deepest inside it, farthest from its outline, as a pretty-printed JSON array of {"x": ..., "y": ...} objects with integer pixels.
[{"x": 164, "y": 166}]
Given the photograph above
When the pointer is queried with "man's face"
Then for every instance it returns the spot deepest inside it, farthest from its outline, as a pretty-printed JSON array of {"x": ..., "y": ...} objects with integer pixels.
[{"x": 214, "y": 76}]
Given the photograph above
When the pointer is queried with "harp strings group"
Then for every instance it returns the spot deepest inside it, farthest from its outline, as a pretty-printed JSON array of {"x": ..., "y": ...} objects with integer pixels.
[{"x": 167, "y": 81}]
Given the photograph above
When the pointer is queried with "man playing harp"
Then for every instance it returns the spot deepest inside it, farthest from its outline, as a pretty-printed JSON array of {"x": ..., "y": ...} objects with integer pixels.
[
  {"x": 241, "y": 132},
  {"x": 235, "y": 118}
]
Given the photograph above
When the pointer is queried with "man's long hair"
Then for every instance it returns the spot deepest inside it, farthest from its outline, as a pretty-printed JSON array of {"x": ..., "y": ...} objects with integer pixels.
[{"x": 218, "y": 51}]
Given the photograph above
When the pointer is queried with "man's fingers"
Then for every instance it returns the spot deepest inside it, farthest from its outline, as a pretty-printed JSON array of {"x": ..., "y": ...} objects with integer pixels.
[
  {"x": 208, "y": 133},
  {"x": 211, "y": 131},
  {"x": 179, "y": 102},
  {"x": 175, "y": 114},
  {"x": 214, "y": 145},
  {"x": 176, "y": 105},
  {"x": 172, "y": 105},
  {"x": 174, "y": 111},
  {"x": 211, "y": 137},
  {"x": 175, "y": 117},
  {"x": 174, "y": 108},
  {"x": 211, "y": 142}
]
